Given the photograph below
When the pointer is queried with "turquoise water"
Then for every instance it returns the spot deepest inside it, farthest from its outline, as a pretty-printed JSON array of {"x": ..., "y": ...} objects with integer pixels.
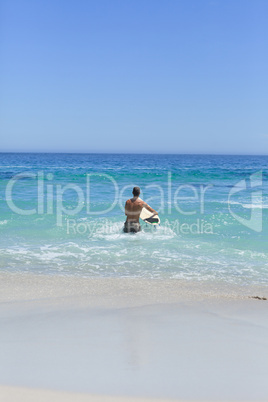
[{"x": 53, "y": 218}]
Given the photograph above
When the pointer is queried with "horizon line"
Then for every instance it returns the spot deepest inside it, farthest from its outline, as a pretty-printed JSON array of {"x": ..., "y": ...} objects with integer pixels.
[{"x": 127, "y": 153}]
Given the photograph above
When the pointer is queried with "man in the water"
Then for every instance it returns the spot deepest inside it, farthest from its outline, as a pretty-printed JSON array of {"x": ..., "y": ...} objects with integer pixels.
[{"x": 133, "y": 209}]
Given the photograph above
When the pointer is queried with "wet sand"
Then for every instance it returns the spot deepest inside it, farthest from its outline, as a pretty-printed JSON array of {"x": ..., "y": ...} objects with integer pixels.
[{"x": 131, "y": 338}]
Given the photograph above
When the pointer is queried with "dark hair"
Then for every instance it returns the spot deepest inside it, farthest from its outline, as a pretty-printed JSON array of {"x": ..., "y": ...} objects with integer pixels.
[{"x": 136, "y": 191}]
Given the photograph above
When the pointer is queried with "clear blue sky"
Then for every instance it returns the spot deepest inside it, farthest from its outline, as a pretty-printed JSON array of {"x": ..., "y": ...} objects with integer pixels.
[{"x": 179, "y": 76}]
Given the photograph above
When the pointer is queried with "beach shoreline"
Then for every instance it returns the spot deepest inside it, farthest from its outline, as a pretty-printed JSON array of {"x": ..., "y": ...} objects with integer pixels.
[{"x": 111, "y": 291}]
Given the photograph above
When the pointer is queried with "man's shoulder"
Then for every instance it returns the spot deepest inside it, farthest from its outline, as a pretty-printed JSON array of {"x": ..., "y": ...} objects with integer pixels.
[{"x": 140, "y": 202}]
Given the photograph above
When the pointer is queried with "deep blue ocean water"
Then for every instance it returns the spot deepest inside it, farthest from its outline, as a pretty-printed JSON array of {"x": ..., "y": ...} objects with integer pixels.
[{"x": 64, "y": 213}]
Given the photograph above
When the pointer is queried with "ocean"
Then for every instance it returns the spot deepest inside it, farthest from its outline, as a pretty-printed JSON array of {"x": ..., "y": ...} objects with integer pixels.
[{"x": 64, "y": 214}]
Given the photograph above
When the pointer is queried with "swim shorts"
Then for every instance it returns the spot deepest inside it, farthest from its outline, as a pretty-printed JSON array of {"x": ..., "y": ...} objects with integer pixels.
[{"x": 132, "y": 227}]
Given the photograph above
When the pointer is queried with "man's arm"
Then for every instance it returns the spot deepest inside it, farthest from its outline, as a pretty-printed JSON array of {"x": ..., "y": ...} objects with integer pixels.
[
  {"x": 149, "y": 208},
  {"x": 126, "y": 211}
]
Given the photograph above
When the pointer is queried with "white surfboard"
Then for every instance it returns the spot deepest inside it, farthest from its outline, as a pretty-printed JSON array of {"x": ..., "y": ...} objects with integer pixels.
[{"x": 149, "y": 217}]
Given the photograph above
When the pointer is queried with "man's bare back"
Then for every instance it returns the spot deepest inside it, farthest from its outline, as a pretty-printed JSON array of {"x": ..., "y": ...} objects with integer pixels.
[{"x": 133, "y": 209}]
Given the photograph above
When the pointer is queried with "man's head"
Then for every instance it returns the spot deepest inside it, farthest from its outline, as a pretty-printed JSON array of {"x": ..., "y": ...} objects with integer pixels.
[{"x": 136, "y": 191}]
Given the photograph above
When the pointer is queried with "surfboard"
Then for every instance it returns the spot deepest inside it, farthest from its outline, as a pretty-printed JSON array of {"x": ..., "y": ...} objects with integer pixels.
[{"x": 149, "y": 217}]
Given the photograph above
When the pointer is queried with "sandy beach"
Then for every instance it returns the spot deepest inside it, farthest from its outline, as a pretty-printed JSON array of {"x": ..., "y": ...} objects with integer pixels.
[
  {"x": 11, "y": 394},
  {"x": 131, "y": 339}
]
